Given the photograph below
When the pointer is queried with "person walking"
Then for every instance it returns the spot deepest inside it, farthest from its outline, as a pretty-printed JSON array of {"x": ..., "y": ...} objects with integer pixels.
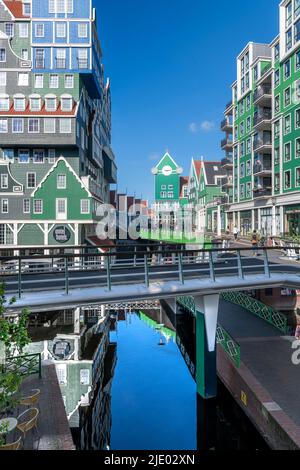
[{"x": 254, "y": 242}]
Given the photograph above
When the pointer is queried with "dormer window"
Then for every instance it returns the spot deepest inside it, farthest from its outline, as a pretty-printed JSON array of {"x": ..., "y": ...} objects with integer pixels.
[
  {"x": 35, "y": 103},
  {"x": 19, "y": 103},
  {"x": 50, "y": 103},
  {"x": 26, "y": 9},
  {"x": 66, "y": 103}
]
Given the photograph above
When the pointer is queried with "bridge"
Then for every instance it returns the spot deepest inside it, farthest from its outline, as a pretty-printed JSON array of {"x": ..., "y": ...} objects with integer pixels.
[{"x": 54, "y": 282}]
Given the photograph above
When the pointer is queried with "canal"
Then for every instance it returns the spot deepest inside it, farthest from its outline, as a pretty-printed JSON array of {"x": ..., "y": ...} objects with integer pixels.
[{"x": 146, "y": 398}]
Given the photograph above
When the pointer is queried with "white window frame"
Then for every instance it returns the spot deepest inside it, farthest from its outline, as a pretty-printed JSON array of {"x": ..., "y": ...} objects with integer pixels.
[
  {"x": 27, "y": 181},
  {"x": 82, "y": 33},
  {"x": 88, "y": 207},
  {"x": 4, "y": 201},
  {"x": 35, "y": 131},
  {"x": 56, "y": 76},
  {"x": 33, "y": 156},
  {"x": 3, "y": 49},
  {"x": 4, "y": 177},
  {"x": 40, "y": 211},
  {"x": 53, "y": 128},
  {"x": 41, "y": 77},
  {"x": 21, "y": 120},
  {"x": 65, "y": 80},
  {"x": 23, "y": 151},
  {"x": 62, "y": 122},
  {"x": 26, "y": 200},
  {"x": 23, "y": 30},
  {"x": 26, "y": 82},
  {"x": 3, "y": 80},
  {"x": 58, "y": 182},
  {"x": 5, "y": 127},
  {"x": 51, "y": 159},
  {"x": 36, "y": 29}
]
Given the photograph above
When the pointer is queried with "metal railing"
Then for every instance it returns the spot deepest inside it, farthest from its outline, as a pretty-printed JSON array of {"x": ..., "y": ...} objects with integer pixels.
[
  {"x": 77, "y": 270},
  {"x": 259, "y": 309},
  {"x": 258, "y": 143},
  {"x": 264, "y": 90},
  {"x": 227, "y": 343},
  {"x": 226, "y": 142},
  {"x": 29, "y": 364},
  {"x": 261, "y": 117}
]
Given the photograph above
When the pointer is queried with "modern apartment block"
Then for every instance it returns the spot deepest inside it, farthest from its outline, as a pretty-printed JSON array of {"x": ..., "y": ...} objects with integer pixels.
[
  {"x": 264, "y": 122},
  {"x": 56, "y": 161}
]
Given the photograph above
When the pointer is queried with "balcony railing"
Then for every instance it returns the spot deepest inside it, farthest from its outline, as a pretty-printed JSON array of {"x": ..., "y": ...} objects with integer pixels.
[
  {"x": 261, "y": 192},
  {"x": 227, "y": 161},
  {"x": 265, "y": 90},
  {"x": 261, "y": 143},
  {"x": 229, "y": 104},
  {"x": 262, "y": 116},
  {"x": 227, "y": 142},
  {"x": 60, "y": 63},
  {"x": 260, "y": 168},
  {"x": 226, "y": 124}
]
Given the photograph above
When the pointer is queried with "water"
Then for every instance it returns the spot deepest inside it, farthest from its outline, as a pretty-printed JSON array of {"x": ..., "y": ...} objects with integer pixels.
[{"x": 150, "y": 403}]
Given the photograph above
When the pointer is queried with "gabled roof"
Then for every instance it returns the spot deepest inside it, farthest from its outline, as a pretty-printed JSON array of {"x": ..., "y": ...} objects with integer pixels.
[
  {"x": 42, "y": 112},
  {"x": 16, "y": 8},
  {"x": 198, "y": 166},
  {"x": 61, "y": 159},
  {"x": 166, "y": 155}
]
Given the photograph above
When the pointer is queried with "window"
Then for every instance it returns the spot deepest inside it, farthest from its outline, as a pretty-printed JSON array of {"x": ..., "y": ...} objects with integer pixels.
[
  {"x": 287, "y": 69},
  {"x": 287, "y": 179},
  {"x": 49, "y": 125},
  {"x": 24, "y": 54},
  {"x": 39, "y": 30},
  {"x": 53, "y": 81},
  {"x": 297, "y": 31},
  {"x": 66, "y": 104},
  {"x": 61, "y": 58},
  {"x": 40, "y": 58},
  {"x": 38, "y": 81},
  {"x": 24, "y": 157},
  {"x": 31, "y": 180},
  {"x": 33, "y": 125},
  {"x": 3, "y": 126},
  {"x": 297, "y": 60},
  {"x": 276, "y": 130},
  {"x": 26, "y": 206},
  {"x": 276, "y": 52},
  {"x": 19, "y": 104},
  {"x": 51, "y": 6},
  {"x": 26, "y": 9},
  {"x": 9, "y": 29},
  {"x": 288, "y": 40},
  {"x": 51, "y": 156},
  {"x": 297, "y": 177},
  {"x": 248, "y": 167},
  {"x": 65, "y": 126},
  {"x": 4, "y": 206},
  {"x": 69, "y": 81},
  {"x": 277, "y": 104},
  {"x": 82, "y": 30},
  {"x": 61, "y": 182},
  {"x": 248, "y": 124},
  {"x": 4, "y": 181},
  {"x": 242, "y": 170},
  {"x": 277, "y": 78},
  {"x": 85, "y": 205},
  {"x": 297, "y": 119},
  {"x": 82, "y": 58},
  {"x": 287, "y": 124},
  {"x": 287, "y": 97},
  {"x": 255, "y": 73},
  {"x": 38, "y": 206},
  {"x": 60, "y": 6},
  {"x": 2, "y": 54},
  {"x": 60, "y": 30},
  {"x": 248, "y": 146},
  {"x": 296, "y": 8},
  {"x": 4, "y": 103},
  {"x": 18, "y": 125},
  {"x": 242, "y": 149},
  {"x": 50, "y": 104},
  {"x": 242, "y": 191},
  {"x": 2, "y": 78},
  {"x": 297, "y": 148},
  {"x": 38, "y": 156},
  {"x": 276, "y": 156},
  {"x": 23, "y": 79},
  {"x": 287, "y": 152},
  {"x": 8, "y": 154},
  {"x": 248, "y": 190},
  {"x": 277, "y": 182},
  {"x": 23, "y": 30},
  {"x": 35, "y": 104},
  {"x": 242, "y": 128}
]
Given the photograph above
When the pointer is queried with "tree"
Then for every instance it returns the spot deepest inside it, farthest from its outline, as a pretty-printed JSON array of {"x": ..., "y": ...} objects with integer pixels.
[{"x": 13, "y": 339}]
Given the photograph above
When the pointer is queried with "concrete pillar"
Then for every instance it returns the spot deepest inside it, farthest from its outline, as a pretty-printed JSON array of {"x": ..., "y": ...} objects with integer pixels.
[
  {"x": 77, "y": 321},
  {"x": 259, "y": 219},
  {"x": 207, "y": 308},
  {"x": 46, "y": 233},
  {"x": 76, "y": 349},
  {"x": 219, "y": 221},
  {"x": 239, "y": 221},
  {"x": 172, "y": 304},
  {"x": 206, "y": 424},
  {"x": 253, "y": 219},
  {"x": 282, "y": 227},
  {"x": 45, "y": 352}
]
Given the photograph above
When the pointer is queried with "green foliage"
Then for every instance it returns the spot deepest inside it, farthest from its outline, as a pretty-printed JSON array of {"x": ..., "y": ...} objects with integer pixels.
[
  {"x": 14, "y": 337},
  {"x": 3, "y": 430}
]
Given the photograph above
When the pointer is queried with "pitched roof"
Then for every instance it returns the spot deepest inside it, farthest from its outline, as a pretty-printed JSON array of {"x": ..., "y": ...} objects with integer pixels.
[
  {"x": 198, "y": 166},
  {"x": 16, "y": 8},
  {"x": 213, "y": 170},
  {"x": 42, "y": 112}
]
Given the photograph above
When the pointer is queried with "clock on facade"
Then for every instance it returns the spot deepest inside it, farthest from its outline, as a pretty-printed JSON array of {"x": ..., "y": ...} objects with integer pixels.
[{"x": 167, "y": 170}]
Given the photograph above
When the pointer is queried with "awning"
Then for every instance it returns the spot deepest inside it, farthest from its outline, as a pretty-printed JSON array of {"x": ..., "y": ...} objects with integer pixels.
[{"x": 102, "y": 245}]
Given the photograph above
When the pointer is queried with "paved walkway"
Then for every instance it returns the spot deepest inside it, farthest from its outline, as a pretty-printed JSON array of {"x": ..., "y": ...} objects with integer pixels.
[
  {"x": 53, "y": 426},
  {"x": 268, "y": 356}
]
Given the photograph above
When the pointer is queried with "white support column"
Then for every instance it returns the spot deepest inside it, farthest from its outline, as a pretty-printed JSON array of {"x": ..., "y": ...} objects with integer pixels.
[
  {"x": 239, "y": 221},
  {"x": 209, "y": 306},
  {"x": 282, "y": 227},
  {"x": 259, "y": 219},
  {"x": 253, "y": 219},
  {"x": 234, "y": 219},
  {"x": 219, "y": 221},
  {"x": 46, "y": 237},
  {"x": 77, "y": 321},
  {"x": 46, "y": 352},
  {"x": 76, "y": 349}
]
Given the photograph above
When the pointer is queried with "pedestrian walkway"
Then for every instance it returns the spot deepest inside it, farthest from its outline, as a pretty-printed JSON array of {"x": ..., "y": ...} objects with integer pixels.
[
  {"x": 53, "y": 427},
  {"x": 267, "y": 355}
]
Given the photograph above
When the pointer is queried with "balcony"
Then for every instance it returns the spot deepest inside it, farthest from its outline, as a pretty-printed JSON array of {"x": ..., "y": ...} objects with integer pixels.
[
  {"x": 229, "y": 108},
  {"x": 226, "y": 200},
  {"x": 227, "y": 162},
  {"x": 227, "y": 183},
  {"x": 110, "y": 168},
  {"x": 262, "y": 168},
  {"x": 262, "y": 187},
  {"x": 94, "y": 187},
  {"x": 262, "y": 119},
  {"x": 226, "y": 125},
  {"x": 261, "y": 193},
  {"x": 262, "y": 144},
  {"x": 226, "y": 144},
  {"x": 83, "y": 63},
  {"x": 263, "y": 95}
]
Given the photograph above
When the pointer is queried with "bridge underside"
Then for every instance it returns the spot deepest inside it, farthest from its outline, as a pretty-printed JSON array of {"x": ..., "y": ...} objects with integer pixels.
[{"x": 51, "y": 300}]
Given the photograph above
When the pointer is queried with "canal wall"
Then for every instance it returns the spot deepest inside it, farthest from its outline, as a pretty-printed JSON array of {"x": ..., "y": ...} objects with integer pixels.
[{"x": 277, "y": 428}]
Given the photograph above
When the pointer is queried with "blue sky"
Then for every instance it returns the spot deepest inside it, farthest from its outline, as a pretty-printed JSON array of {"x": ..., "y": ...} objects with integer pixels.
[{"x": 171, "y": 64}]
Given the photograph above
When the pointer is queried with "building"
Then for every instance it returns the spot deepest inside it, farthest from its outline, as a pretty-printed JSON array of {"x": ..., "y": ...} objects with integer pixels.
[
  {"x": 262, "y": 157},
  {"x": 56, "y": 161},
  {"x": 168, "y": 189}
]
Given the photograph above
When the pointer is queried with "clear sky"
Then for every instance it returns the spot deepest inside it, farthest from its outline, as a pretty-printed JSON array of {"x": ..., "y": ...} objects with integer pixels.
[{"x": 171, "y": 64}]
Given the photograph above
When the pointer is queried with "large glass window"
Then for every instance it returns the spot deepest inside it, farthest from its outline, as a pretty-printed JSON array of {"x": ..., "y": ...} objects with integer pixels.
[
  {"x": 3, "y": 126},
  {"x": 18, "y": 125},
  {"x": 23, "y": 156},
  {"x": 33, "y": 125},
  {"x": 49, "y": 125}
]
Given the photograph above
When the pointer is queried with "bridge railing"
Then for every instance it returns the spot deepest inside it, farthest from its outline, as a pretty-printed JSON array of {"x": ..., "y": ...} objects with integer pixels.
[{"x": 69, "y": 271}]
